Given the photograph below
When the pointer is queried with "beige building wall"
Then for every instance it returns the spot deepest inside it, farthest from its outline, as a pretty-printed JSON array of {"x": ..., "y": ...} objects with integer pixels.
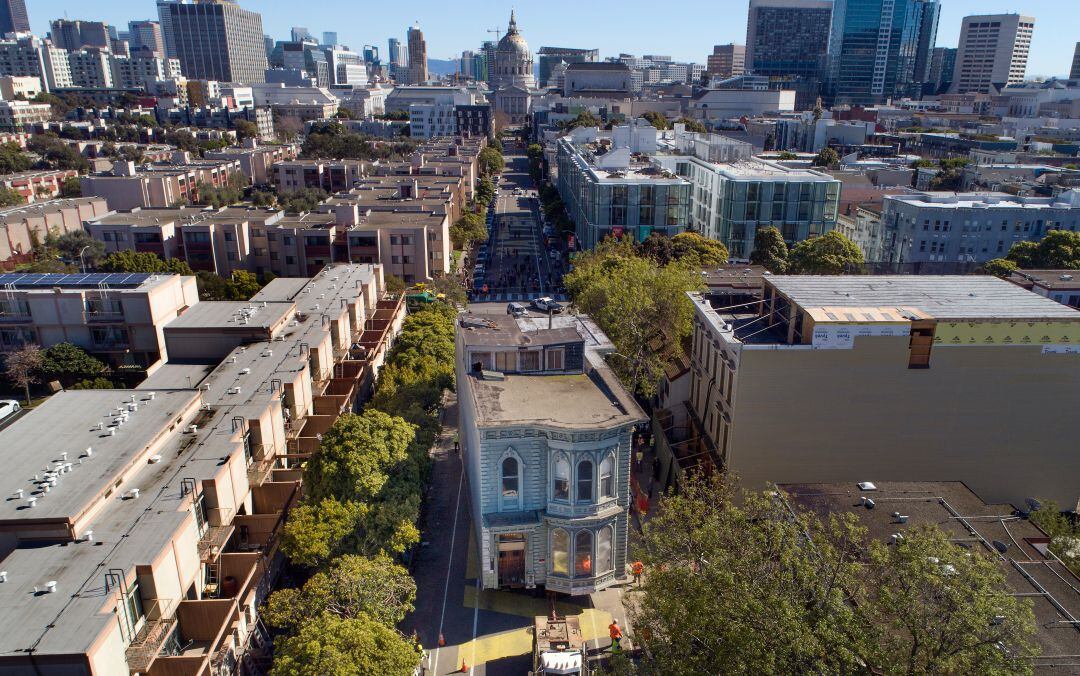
[{"x": 997, "y": 418}]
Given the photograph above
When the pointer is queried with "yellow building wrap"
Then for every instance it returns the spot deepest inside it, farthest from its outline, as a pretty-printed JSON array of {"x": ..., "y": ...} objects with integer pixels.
[{"x": 1007, "y": 333}]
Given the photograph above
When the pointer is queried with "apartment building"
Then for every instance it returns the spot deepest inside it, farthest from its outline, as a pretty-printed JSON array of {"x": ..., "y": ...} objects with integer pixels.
[
  {"x": 18, "y": 115},
  {"x": 734, "y": 194},
  {"x": 547, "y": 444},
  {"x": 151, "y": 540},
  {"x": 19, "y": 86},
  {"x": 33, "y": 57},
  {"x": 1060, "y": 285},
  {"x": 329, "y": 175},
  {"x": 971, "y": 227},
  {"x": 726, "y": 61},
  {"x": 257, "y": 160},
  {"x": 117, "y": 317},
  {"x": 917, "y": 378},
  {"x": 993, "y": 52},
  {"x": 21, "y": 226},
  {"x": 162, "y": 184},
  {"x": 35, "y": 186},
  {"x": 612, "y": 187}
]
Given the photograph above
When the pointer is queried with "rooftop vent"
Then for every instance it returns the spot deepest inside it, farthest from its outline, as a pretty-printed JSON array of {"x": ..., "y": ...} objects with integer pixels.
[{"x": 866, "y": 486}]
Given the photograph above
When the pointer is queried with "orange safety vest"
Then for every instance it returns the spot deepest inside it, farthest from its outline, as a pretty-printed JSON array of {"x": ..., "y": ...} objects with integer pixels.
[
  {"x": 637, "y": 567},
  {"x": 614, "y": 631}
]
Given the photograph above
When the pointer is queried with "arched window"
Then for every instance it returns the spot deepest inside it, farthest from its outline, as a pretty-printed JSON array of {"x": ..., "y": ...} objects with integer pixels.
[
  {"x": 560, "y": 552},
  {"x": 583, "y": 561},
  {"x": 605, "y": 553},
  {"x": 511, "y": 483},
  {"x": 607, "y": 477},
  {"x": 561, "y": 479},
  {"x": 584, "y": 481}
]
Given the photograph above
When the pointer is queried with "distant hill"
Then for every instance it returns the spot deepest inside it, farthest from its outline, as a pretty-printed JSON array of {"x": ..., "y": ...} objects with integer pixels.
[{"x": 442, "y": 66}]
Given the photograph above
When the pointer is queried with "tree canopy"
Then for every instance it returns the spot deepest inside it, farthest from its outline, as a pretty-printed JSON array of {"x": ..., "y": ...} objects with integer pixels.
[
  {"x": 491, "y": 161},
  {"x": 770, "y": 250},
  {"x": 1000, "y": 267},
  {"x": 69, "y": 363},
  {"x": 655, "y": 119},
  {"x": 692, "y": 125},
  {"x": 468, "y": 230},
  {"x": 635, "y": 301},
  {"x": 827, "y": 158},
  {"x": 22, "y": 367},
  {"x": 745, "y": 582},
  {"x": 10, "y": 197},
  {"x": 829, "y": 254},
  {"x": 1058, "y": 250},
  {"x": 330, "y": 646},
  {"x": 584, "y": 119},
  {"x": 133, "y": 261},
  {"x": 70, "y": 244}
]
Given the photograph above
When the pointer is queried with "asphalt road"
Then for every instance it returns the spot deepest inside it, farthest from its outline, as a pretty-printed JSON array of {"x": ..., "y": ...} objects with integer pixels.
[{"x": 518, "y": 266}]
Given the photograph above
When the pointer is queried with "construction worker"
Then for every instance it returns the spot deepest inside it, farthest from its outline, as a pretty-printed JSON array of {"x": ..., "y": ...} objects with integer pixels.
[
  {"x": 615, "y": 632},
  {"x": 637, "y": 568}
]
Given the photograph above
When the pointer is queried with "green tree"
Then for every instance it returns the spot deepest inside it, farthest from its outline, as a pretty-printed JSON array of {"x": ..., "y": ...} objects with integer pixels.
[
  {"x": 55, "y": 153},
  {"x": 330, "y": 646},
  {"x": 246, "y": 129},
  {"x": 132, "y": 261},
  {"x": 485, "y": 190},
  {"x": 70, "y": 363},
  {"x": 394, "y": 284},
  {"x": 243, "y": 285},
  {"x": 1064, "y": 533},
  {"x": 692, "y": 125},
  {"x": 318, "y": 531},
  {"x": 1058, "y": 250},
  {"x": 344, "y": 114},
  {"x": 658, "y": 248},
  {"x": 71, "y": 187},
  {"x": 451, "y": 288},
  {"x": 491, "y": 161},
  {"x": 222, "y": 196},
  {"x": 830, "y": 254},
  {"x": 745, "y": 583},
  {"x": 468, "y": 230},
  {"x": 656, "y": 119},
  {"x": 301, "y": 200},
  {"x": 71, "y": 244},
  {"x": 22, "y": 367},
  {"x": 9, "y": 197},
  {"x": 770, "y": 250},
  {"x": 356, "y": 456},
  {"x": 584, "y": 119},
  {"x": 13, "y": 159},
  {"x": 786, "y": 155},
  {"x": 98, "y": 383},
  {"x": 698, "y": 251},
  {"x": 1000, "y": 267},
  {"x": 634, "y": 301},
  {"x": 827, "y": 158},
  {"x": 350, "y": 586}
]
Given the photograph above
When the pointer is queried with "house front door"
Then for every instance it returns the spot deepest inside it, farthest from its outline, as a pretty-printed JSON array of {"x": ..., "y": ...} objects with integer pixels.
[{"x": 512, "y": 559}]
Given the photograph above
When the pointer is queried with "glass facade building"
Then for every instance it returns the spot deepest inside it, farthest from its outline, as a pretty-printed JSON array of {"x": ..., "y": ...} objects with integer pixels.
[
  {"x": 634, "y": 202},
  {"x": 880, "y": 49}
]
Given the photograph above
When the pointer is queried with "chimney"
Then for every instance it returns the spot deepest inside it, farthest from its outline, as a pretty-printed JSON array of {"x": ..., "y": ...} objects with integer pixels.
[{"x": 346, "y": 214}]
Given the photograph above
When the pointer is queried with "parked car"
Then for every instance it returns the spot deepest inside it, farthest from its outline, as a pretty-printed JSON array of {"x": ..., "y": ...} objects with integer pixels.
[
  {"x": 517, "y": 310},
  {"x": 547, "y": 304},
  {"x": 8, "y": 407}
]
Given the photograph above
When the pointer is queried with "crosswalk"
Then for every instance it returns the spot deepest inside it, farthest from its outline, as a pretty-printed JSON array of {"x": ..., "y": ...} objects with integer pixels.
[{"x": 508, "y": 297}]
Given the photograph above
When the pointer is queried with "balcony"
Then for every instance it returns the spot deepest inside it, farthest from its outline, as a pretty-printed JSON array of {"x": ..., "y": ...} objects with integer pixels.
[
  {"x": 155, "y": 632},
  {"x": 202, "y": 626}
]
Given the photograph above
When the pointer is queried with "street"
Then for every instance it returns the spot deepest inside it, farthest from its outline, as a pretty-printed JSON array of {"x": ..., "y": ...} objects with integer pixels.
[{"x": 518, "y": 265}]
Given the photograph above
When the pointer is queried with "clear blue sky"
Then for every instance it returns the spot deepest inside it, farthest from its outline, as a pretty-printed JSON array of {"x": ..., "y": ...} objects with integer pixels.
[{"x": 632, "y": 26}]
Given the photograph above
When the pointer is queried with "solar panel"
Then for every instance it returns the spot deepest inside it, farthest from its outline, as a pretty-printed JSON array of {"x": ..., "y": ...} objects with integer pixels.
[{"x": 114, "y": 280}]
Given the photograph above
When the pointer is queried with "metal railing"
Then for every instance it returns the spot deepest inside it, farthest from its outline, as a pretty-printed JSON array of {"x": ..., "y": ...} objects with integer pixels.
[{"x": 146, "y": 645}]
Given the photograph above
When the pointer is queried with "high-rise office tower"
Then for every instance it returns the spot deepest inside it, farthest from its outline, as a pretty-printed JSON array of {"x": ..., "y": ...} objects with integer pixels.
[
  {"x": 75, "y": 35},
  {"x": 418, "y": 72},
  {"x": 488, "y": 48},
  {"x": 465, "y": 65},
  {"x": 146, "y": 35},
  {"x": 329, "y": 38},
  {"x": 993, "y": 52},
  {"x": 879, "y": 49},
  {"x": 13, "y": 16},
  {"x": 299, "y": 34},
  {"x": 1074, "y": 74},
  {"x": 788, "y": 37},
  {"x": 942, "y": 64},
  {"x": 218, "y": 40},
  {"x": 726, "y": 61},
  {"x": 549, "y": 57},
  {"x": 396, "y": 56}
]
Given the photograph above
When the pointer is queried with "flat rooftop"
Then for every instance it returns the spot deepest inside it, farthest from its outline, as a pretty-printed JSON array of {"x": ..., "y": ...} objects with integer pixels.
[
  {"x": 68, "y": 423},
  {"x": 982, "y": 526},
  {"x": 233, "y": 315},
  {"x": 988, "y": 200},
  {"x": 1050, "y": 279},
  {"x": 939, "y": 296}
]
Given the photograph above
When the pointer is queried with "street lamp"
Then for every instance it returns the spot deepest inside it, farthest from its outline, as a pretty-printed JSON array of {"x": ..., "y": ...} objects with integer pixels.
[{"x": 82, "y": 263}]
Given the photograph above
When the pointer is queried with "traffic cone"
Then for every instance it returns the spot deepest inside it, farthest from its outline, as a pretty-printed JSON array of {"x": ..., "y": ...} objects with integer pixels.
[
  {"x": 442, "y": 641},
  {"x": 464, "y": 667}
]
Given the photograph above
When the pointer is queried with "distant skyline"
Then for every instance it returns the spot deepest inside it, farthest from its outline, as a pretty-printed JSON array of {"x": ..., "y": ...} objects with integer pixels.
[{"x": 636, "y": 27}]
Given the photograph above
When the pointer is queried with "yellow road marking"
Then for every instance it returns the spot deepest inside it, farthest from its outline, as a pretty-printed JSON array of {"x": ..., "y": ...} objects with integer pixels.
[{"x": 519, "y": 641}]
